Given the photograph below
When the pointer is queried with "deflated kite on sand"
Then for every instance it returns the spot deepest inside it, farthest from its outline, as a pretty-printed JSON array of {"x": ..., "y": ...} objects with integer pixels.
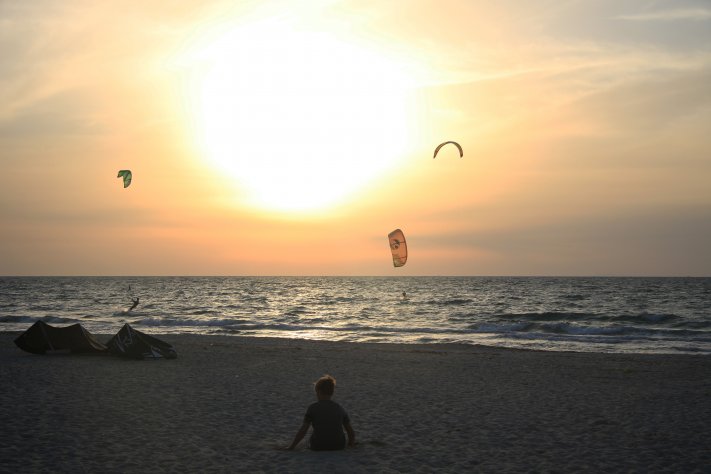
[
  {"x": 42, "y": 338},
  {"x": 134, "y": 344}
]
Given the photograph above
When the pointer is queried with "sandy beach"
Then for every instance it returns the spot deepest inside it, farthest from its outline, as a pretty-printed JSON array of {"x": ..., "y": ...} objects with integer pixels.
[{"x": 231, "y": 404}]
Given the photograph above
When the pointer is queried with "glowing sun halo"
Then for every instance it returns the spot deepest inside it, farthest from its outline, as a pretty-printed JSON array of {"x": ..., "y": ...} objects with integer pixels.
[{"x": 301, "y": 120}]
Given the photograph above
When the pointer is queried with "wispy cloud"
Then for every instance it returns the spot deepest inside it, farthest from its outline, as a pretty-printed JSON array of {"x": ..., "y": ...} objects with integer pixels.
[{"x": 694, "y": 14}]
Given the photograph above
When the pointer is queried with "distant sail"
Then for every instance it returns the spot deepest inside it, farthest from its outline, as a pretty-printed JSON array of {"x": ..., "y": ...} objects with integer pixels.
[
  {"x": 126, "y": 175},
  {"x": 461, "y": 152},
  {"x": 398, "y": 247}
]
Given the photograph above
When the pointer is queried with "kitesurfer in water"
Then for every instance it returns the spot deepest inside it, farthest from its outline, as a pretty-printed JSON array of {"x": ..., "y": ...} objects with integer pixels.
[{"x": 135, "y": 303}]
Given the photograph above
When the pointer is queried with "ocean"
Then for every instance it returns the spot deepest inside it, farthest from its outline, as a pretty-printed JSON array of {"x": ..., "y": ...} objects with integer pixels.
[{"x": 596, "y": 314}]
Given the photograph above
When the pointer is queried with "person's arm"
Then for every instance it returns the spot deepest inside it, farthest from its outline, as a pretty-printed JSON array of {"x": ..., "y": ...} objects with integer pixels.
[
  {"x": 300, "y": 435},
  {"x": 350, "y": 433}
]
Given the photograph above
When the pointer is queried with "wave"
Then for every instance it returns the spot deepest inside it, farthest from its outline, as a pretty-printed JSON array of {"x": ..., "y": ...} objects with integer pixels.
[
  {"x": 542, "y": 330},
  {"x": 545, "y": 316},
  {"x": 198, "y": 311},
  {"x": 645, "y": 318},
  {"x": 575, "y": 297},
  {"x": 450, "y": 302},
  {"x": 203, "y": 312},
  {"x": 186, "y": 322},
  {"x": 33, "y": 319},
  {"x": 669, "y": 319},
  {"x": 297, "y": 311}
]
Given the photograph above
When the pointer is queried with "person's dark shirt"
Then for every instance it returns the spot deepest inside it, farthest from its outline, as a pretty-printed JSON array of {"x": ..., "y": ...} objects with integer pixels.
[{"x": 327, "y": 418}]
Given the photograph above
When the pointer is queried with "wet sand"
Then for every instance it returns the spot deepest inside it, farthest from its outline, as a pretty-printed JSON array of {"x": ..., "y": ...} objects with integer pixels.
[{"x": 230, "y": 404}]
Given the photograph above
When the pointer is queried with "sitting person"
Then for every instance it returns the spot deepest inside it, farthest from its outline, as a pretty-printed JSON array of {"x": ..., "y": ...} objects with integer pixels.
[{"x": 328, "y": 418}]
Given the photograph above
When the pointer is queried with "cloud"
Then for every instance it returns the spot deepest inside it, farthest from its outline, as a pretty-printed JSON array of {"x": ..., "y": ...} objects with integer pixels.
[
  {"x": 693, "y": 14},
  {"x": 669, "y": 241},
  {"x": 65, "y": 113}
]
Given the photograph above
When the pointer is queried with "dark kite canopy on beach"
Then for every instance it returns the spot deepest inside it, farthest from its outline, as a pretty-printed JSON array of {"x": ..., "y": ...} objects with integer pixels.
[
  {"x": 41, "y": 338},
  {"x": 134, "y": 344}
]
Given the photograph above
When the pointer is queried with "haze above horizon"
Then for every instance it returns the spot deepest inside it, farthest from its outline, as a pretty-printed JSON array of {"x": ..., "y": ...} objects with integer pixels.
[{"x": 268, "y": 138}]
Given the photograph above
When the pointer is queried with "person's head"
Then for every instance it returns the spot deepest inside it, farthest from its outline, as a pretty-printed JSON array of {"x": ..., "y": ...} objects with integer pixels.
[{"x": 325, "y": 386}]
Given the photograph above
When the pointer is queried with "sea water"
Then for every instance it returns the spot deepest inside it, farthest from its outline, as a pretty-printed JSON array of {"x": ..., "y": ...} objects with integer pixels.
[{"x": 642, "y": 315}]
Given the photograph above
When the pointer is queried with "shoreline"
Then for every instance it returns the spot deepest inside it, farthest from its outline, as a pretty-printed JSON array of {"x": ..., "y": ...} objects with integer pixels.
[
  {"x": 227, "y": 403},
  {"x": 613, "y": 349}
]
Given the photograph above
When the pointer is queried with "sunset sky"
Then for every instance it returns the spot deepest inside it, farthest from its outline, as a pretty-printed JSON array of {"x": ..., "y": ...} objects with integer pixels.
[{"x": 289, "y": 138}]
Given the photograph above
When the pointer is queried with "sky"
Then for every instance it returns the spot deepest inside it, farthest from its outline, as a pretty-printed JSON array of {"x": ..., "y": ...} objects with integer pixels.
[{"x": 289, "y": 138}]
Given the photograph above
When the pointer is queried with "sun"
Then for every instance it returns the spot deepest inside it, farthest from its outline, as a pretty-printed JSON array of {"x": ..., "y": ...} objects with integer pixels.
[{"x": 301, "y": 120}]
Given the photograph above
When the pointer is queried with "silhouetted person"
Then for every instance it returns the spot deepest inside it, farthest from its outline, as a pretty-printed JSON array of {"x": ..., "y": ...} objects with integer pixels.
[
  {"x": 328, "y": 418},
  {"x": 135, "y": 303}
]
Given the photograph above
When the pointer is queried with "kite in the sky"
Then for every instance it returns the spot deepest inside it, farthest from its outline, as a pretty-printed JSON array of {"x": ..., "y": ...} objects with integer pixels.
[
  {"x": 461, "y": 152},
  {"x": 398, "y": 247},
  {"x": 126, "y": 175}
]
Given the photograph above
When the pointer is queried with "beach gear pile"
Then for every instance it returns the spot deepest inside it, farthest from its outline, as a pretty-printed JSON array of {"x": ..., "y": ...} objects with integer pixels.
[{"x": 42, "y": 338}]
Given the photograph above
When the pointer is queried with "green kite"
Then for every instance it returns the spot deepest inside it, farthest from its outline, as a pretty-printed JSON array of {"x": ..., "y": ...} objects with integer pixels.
[{"x": 126, "y": 174}]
